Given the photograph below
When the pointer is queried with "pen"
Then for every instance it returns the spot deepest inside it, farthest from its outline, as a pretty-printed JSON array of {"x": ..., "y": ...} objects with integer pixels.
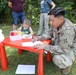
[{"x": 33, "y": 39}]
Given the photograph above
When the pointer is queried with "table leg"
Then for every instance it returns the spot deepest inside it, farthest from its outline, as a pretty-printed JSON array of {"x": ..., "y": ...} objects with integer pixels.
[
  {"x": 19, "y": 51},
  {"x": 48, "y": 57},
  {"x": 40, "y": 64},
  {"x": 4, "y": 60}
]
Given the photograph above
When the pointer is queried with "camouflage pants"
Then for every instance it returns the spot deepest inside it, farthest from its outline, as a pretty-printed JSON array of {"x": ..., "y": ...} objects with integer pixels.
[{"x": 63, "y": 60}]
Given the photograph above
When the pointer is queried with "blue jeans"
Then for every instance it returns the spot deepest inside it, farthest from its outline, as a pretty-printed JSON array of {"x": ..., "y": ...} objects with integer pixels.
[{"x": 16, "y": 16}]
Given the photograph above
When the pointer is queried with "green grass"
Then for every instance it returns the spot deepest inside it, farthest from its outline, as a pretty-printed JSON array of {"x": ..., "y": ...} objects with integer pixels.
[{"x": 27, "y": 58}]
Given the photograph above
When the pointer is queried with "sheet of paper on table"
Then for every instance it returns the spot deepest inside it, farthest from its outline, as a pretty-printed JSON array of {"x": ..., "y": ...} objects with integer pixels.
[
  {"x": 25, "y": 69},
  {"x": 31, "y": 43}
]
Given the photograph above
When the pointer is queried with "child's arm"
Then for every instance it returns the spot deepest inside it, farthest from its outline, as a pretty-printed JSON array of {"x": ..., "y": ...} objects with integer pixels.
[
  {"x": 19, "y": 29},
  {"x": 31, "y": 31}
]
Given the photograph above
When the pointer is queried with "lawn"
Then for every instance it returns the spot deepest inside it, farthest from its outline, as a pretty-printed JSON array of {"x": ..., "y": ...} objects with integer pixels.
[{"x": 27, "y": 57}]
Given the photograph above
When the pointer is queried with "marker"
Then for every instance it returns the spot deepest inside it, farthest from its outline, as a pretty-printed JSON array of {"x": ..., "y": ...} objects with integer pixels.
[{"x": 33, "y": 39}]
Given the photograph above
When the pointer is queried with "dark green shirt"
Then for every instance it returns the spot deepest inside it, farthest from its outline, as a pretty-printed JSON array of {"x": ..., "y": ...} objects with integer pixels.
[{"x": 25, "y": 31}]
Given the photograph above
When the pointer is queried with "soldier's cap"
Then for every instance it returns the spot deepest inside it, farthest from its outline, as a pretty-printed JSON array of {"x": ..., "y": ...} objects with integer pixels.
[{"x": 57, "y": 11}]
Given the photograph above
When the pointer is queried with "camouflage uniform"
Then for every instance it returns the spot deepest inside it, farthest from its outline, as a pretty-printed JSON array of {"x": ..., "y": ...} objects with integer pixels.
[{"x": 63, "y": 44}]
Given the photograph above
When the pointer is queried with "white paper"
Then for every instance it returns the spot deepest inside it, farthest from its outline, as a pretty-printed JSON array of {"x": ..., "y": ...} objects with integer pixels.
[
  {"x": 25, "y": 69},
  {"x": 31, "y": 43},
  {"x": 24, "y": 36}
]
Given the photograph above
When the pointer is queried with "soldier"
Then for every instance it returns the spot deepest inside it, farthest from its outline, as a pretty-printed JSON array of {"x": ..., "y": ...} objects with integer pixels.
[{"x": 62, "y": 35}]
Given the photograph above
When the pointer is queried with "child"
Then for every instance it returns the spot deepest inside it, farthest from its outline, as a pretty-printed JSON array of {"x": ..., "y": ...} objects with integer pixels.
[{"x": 26, "y": 29}]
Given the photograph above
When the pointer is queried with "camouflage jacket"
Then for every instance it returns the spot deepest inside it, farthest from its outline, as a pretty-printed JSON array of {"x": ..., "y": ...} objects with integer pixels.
[{"x": 63, "y": 38}]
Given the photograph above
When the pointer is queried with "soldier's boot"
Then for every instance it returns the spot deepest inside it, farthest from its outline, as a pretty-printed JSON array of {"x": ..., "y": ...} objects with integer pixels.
[{"x": 66, "y": 71}]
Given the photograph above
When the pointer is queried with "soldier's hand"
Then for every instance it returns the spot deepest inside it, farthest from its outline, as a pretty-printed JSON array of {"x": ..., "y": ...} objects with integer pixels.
[{"x": 39, "y": 46}]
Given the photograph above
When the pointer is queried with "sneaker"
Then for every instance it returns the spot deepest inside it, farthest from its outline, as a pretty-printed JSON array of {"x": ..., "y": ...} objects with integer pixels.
[
  {"x": 45, "y": 52},
  {"x": 66, "y": 71}
]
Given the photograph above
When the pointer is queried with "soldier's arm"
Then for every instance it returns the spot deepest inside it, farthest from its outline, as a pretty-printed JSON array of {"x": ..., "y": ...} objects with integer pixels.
[
  {"x": 66, "y": 42},
  {"x": 54, "y": 49}
]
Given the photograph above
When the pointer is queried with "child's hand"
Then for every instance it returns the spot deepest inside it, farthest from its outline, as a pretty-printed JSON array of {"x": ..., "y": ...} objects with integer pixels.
[{"x": 39, "y": 46}]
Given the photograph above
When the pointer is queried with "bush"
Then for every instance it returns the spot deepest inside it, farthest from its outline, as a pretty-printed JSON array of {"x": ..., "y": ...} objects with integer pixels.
[
  {"x": 3, "y": 5},
  {"x": 32, "y": 10},
  {"x": 68, "y": 6}
]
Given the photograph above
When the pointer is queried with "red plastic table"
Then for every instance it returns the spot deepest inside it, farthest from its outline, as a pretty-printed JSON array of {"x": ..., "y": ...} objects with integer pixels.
[
  {"x": 3, "y": 58},
  {"x": 17, "y": 44}
]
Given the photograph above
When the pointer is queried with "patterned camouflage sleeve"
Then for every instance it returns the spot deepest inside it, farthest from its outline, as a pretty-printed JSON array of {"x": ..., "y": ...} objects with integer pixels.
[
  {"x": 54, "y": 49},
  {"x": 66, "y": 41}
]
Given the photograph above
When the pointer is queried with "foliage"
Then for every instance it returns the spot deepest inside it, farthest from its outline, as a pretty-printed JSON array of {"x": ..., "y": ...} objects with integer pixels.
[
  {"x": 3, "y": 7},
  {"x": 32, "y": 10},
  {"x": 68, "y": 6},
  {"x": 72, "y": 15},
  {"x": 3, "y": 4}
]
